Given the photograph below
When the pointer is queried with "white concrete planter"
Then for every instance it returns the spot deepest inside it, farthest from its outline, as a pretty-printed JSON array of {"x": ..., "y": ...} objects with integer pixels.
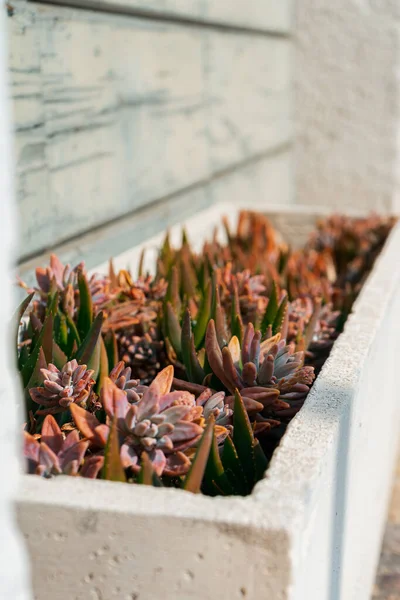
[{"x": 312, "y": 528}]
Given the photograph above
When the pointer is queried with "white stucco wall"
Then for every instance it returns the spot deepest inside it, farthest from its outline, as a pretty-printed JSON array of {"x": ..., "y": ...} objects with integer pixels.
[
  {"x": 13, "y": 581},
  {"x": 347, "y": 103}
]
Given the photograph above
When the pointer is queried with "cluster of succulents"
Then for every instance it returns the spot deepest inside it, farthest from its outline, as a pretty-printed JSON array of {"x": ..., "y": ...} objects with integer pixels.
[{"x": 188, "y": 378}]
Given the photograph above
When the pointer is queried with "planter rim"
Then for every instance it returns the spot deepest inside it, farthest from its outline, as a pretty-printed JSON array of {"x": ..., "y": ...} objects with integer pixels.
[{"x": 283, "y": 499}]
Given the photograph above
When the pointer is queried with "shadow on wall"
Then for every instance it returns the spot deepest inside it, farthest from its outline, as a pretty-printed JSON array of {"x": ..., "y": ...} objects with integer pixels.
[{"x": 339, "y": 504}]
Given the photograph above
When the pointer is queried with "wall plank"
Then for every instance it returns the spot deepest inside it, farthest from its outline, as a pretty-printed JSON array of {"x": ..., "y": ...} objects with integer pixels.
[
  {"x": 248, "y": 80},
  {"x": 261, "y": 15},
  {"x": 265, "y": 182},
  {"x": 113, "y": 112}
]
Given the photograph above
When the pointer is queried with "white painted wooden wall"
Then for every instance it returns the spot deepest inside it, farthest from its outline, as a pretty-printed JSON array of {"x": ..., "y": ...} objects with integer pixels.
[
  {"x": 126, "y": 104},
  {"x": 347, "y": 103},
  {"x": 13, "y": 567}
]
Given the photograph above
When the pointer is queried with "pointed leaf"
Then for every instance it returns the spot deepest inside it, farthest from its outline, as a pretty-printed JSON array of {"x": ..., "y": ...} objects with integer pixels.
[
  {"x": 113, "y": 470},
  {"x": 260, "y": 461},
  {"x": 146, "y": 472},
  {"x": 104, "y": 366},
  {"x": 172, "y": 294},
  {"x": 311, "y": 325},
  {"x": 45, "y": 341},
  {"x": 23, "y": 357},
  {"x": 161, "y": 385},
  {"x": 196, "y": 472},
  {"x": 233, "y": 468},
  {"x": 243, "y": 438},
  {"x": 188, "y": 278},
  {"x": 86, "y": 349},
  {"x": 94, "y": 361},
  {"x": 271, "y": 310},
  {"x": 280, "y": 316},
  {"x": 186, "y": 336},
  {"x": 73, "y": 337},
  {"x": 85, "y": 312},
  {"x": 214, "y": 469},
  {"x": 19, "y": 313},
  {"x": 59, "y": 358},
  {"x": 51, "y": 434},
  {"x": 85, "y": 421},
  {"x": 218, "y": 315},
  {"x": 61, "y": 330},
  {"x": 174, "y": 331},
  {"x": 110, "y": 342},
  {"x": 112, "y": 275},
  {"x": 203, "y": 317}
]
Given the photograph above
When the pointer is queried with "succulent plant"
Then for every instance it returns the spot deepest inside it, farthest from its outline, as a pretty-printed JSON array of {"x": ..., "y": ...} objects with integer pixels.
[
  {"x": 72, "y": 384},
  {"x": 161, "y": 423},
  {"x": 245, "y": 324},
  {"x": 54, "y": 454},
  {"x": 121, "y": 377},
  {"x": 268, "y": 374},
  {"x": 214, "y": 403}
]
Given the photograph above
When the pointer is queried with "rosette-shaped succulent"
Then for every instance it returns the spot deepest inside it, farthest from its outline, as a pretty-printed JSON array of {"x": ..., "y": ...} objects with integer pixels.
[
  {"x": 214, "y": 403},
  {"x": 269, "y": 375},
  {"x": 73, "y": 384},
  {"x": 121, "y": 376},
  {"x": 62, "y": 274},
  {"x": 54, "y": 454},
  {"x": 162, "y": 424}
]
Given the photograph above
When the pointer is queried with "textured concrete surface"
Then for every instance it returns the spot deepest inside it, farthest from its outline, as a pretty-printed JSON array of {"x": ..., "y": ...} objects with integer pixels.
[
  {"x": 387, "y": 584},
  {"x": 322, "y": 503},
  {"x": 347, "y": 108}
]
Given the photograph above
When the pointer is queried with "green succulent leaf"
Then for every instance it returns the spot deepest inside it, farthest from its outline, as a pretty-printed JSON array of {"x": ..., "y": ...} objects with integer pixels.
[
  {"x": 280, "y": 316},
  {"x": 35, "y": 380},
  {"x": 194, "y": 370},
  {"x": 146, "y": 472},
  {"x": 271, "y": 310},
  {"x": 172, "y": 294},
  {"x": 85, "y": 312},
  {"x": 23, "y": 357},
  {"x": 215, "y": 480},
  {"x": 233, "y": 468},
  {"x": 103, "y": 364},
  {"x": 186, "y": 338},
  {"x": 19, "y": 313},
  {"x": 311, "y": 325},
  {"x": 110, "y": 342},
  {"x": 195, "y": 475},
  {"x": 203, "y": 317},
  {"x": 113, "y": 469},
  {"x": 188, "y": 278},
  {"x": 73, "y": 337},
  {"x": 86, "y": 350},
  {"x": 243, "y": 439},
  {"x": 44, "y": 342},
  {"x": 59, "y": 357},
  {"x": 173, "y": 328},
  {"x": 61, "y": 330},
  {"x": 260, "y": 461}
]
